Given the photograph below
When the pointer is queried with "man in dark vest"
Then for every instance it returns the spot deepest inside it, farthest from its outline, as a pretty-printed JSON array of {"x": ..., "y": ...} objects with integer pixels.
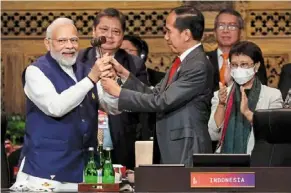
[
  {"x": 123, "y": 128},
  {"x": 61, "y": 113}
]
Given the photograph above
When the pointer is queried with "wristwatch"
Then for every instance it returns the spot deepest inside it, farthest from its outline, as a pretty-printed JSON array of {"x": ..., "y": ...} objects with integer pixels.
[{"x": 119, "y": 82}]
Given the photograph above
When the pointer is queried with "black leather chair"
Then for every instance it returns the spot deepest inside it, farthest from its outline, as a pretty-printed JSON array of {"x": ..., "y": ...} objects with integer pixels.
[{"x": 272, "y": 130}]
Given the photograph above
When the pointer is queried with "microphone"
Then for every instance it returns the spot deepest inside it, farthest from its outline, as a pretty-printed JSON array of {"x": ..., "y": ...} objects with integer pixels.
[
  {"x": 287, "y": 102},
  {"x": 95, "y": 42}
]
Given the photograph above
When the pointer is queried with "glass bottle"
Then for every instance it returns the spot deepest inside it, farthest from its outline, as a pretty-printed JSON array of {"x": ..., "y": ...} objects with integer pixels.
[{"x": 90, "y": 172}]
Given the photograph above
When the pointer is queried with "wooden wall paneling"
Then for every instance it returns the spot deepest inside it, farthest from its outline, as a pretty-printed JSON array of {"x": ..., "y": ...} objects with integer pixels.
[
  {"x": 13, "y": 89},
  {"x": 24, "y": 24}
]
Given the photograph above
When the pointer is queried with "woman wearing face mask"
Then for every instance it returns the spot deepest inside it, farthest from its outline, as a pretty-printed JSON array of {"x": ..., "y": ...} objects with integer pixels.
[{"x": 233, "y": 107}]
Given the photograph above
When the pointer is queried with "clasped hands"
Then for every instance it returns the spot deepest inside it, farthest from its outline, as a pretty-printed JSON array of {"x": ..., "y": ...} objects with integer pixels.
[
  {"x": 107, "y": 70},
  {"x": 244, "y": 108}
]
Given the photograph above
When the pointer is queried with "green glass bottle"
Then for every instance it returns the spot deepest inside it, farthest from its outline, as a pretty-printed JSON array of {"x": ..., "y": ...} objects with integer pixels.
[
  {"x": 101, "y": 154},
  {"x": 108, "y": 174},
  {"x": 90, "y": 171},
  {"x": 101, "y": 163}
]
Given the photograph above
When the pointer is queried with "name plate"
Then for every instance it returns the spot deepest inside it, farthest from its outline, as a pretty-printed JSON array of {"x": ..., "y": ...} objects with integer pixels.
[{"x": 222, "y": 180}]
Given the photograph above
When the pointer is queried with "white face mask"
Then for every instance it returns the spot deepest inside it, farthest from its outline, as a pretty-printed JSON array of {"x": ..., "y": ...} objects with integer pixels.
[{"x": 241, "y": 75}]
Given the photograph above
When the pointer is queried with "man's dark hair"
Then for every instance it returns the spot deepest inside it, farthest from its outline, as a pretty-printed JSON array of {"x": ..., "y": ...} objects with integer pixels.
[
  {"x": 110, "y": 12},
  {"x": 249, "y": 49},
  {"x": 230, "y": 12},
  {"x": 190, "y": 18},
  {"x": 139, "y": 44}
]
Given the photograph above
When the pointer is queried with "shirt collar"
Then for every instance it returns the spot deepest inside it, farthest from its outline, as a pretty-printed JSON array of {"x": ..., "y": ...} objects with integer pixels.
[
  {"x": 184, "y": 54},
  {"x": 219, "y": 53}
]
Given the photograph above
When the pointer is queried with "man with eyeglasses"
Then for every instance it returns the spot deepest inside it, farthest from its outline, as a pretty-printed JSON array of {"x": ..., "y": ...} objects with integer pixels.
[
  {"x": 61, "y": 113},
  {"x": 120, "y": 134},
  {"x": 228, "y": 27}
]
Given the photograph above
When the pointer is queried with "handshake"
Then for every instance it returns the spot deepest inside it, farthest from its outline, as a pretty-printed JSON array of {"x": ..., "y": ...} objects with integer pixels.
[{"x": 107, "y": 69}]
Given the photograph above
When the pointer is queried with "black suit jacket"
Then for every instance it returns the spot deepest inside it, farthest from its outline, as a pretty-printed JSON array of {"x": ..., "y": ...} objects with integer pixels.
[
  {"x": 125, "y": 128},
  {"x": 285, "y": 80},
  {"x": 262, "y": 74}
]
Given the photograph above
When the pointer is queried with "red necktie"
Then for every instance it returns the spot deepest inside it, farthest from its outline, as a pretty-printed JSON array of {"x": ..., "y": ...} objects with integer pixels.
[{"x": 173, "y": 69}]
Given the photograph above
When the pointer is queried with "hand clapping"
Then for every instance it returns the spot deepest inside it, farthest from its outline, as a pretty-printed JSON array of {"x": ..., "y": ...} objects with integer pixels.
[{"x": 222, "y": 94}]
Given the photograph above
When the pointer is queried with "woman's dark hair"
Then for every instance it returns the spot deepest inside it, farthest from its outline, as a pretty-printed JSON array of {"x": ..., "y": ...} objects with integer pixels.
[
  {"x": 253, "y": 51},
  {"x": 249, "y": 49},
  {"x": 141, "y": 45}
]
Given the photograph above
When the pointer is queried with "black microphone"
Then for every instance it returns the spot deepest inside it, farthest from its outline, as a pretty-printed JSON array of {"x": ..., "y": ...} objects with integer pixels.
[{"x": 95, "y": 42}]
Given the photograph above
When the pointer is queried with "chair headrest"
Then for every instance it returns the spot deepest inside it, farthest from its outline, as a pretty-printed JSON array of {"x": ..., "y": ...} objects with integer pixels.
[{"x": 273, "y": 125}]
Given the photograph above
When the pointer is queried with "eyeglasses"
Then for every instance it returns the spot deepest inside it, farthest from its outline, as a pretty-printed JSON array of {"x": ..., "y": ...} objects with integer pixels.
[
  {"x": 230, "y": 27},
  {"x": 114, "y": 32},
  {"x": 242, "y": 65},
  {"x": 130, "y": 50},
  {"x": 63, "y": 41}
]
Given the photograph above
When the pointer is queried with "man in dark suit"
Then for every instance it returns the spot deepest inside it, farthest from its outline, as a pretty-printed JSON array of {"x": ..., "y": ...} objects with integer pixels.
[
  {"x": 228, "y": 26},
  {"x": 111, "y": 24},
  {"x": 285, "y": 80},
  {"x": 182, "y": 98}
]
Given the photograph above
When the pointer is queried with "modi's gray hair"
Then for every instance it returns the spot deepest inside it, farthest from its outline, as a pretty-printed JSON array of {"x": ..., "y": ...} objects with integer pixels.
[{"x": 57, "y": 22}]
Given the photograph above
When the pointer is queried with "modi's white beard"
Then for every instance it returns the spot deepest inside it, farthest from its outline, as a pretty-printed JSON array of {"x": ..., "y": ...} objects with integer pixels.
[{"x": 62, "y": 60}]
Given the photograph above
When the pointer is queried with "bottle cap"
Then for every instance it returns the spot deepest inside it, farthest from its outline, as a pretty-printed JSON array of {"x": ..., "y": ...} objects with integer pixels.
[
  {"x": 91, "y": 148},
  {"x": 108, "y": 149}
]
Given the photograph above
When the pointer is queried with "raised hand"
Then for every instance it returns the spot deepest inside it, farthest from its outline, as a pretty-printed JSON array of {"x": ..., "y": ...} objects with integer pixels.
[
  {"x": 227, "y": 77},
  {"x": 222, "y": 94},
  {"x": 101, "y": 68},
  {"x": 111, "y": 87},
  {"x": 244, "y": 108},
  {"x": 120, "y": 70}
]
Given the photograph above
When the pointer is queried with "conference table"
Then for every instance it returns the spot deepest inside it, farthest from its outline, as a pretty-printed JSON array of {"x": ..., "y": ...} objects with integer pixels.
[{"x": 177, "y": 178}]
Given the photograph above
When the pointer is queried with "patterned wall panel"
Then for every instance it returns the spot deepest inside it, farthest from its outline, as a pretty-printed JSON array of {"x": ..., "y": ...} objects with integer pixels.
[
  {"x": 2, "y": 86},
  {"x": 26, "y": 24},
  {"x": 274, "y": 63},
  {"x": 269, "y": 23},
  {"x": 24, "y": 27},
  {"x": 210, "y": 5}
]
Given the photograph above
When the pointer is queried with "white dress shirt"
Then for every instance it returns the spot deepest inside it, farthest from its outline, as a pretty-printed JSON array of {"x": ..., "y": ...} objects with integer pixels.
[
  {"x": 40, "y": 90},
  {"x": 185, "y": 53},
  {"x": 220, "y": 58}
]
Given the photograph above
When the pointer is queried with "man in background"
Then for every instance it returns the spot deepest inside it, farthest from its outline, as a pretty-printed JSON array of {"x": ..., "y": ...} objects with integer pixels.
[
  {"x": 122, "y": 128},
  {"x": 228, "y": 26}
]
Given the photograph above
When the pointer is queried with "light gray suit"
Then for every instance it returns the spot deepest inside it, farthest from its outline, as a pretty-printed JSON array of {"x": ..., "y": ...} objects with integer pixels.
[{"x": 183, "y": 108}]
